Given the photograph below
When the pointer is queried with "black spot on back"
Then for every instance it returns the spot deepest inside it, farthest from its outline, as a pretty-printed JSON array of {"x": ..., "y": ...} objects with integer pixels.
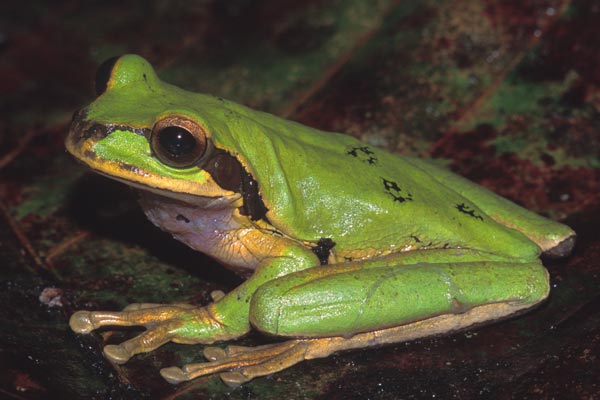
[
  {"x": 393, "y": 189},
  {"x": 466, "y": 209},
  {"x": 323, "y": 249},
  {"x": 363, "y": 153}
]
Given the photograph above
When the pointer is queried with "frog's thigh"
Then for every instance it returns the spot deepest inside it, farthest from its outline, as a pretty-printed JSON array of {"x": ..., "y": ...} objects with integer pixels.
[
  {"x": 315, "y": 304},
  {"x": 552, "y": 237}
]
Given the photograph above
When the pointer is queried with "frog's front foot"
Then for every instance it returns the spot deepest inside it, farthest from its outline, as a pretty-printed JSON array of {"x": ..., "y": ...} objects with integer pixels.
[
  {"x": 179, "y": 323},
  {"x": 237, "y": 364}
]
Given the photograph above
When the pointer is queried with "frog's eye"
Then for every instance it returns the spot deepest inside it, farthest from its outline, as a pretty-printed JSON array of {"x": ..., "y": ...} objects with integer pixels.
[
  {"x": 103, "y": 74},
  {"x": 178, "y": 142}
]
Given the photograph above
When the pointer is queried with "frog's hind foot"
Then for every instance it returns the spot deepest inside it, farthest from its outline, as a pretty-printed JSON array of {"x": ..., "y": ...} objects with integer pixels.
[{"x": 237, "y": 364}]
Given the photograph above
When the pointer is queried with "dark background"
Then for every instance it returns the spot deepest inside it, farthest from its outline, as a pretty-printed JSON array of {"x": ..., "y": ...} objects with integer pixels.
[{"x": 506, "y": 93}]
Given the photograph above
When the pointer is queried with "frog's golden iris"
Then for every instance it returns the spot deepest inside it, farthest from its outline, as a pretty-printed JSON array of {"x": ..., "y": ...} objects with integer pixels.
[{"x": 178, "y": 142}]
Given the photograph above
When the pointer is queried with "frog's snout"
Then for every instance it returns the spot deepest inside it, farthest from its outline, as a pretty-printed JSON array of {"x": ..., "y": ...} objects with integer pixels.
[{"x": 82, "y": 130}]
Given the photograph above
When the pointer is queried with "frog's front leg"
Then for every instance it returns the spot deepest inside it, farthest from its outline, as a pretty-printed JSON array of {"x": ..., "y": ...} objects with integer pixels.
[
  {"x": 379, "y": 302},
  {"x": 225, "y": 319},
  {"x": 174, "y": 322}
]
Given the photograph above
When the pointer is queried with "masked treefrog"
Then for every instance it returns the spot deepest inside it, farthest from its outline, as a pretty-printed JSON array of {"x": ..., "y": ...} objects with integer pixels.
[{"x": 343, "y": 245}]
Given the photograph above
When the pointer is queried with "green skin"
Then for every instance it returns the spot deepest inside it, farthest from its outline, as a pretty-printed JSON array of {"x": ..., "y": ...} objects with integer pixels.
[{"x": 411, "y": 241}]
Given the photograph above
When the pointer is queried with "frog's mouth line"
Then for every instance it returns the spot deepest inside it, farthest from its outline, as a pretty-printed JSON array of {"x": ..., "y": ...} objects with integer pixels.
[
  {"x": 206, "y": 202},
  {"x": 79, "y": 142},
  {"x": 213, "y": 202}
]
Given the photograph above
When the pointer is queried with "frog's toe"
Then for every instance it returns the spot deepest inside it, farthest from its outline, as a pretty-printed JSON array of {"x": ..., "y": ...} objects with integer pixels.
[
  {"x": 81, "y": 322},
  {"x": 147, "y": 306},
  {"x": 214, "y": 353},
  {"x": 117, "y": 353},
  {"x": 234, "y": 378},
  {"x": 140, "y": 306},
  {"x": 174, "y": 375},
  {"x": 237, "y": 364},
  {"x": 218, "y": 353},
  {"x": 142, "y": 343}
]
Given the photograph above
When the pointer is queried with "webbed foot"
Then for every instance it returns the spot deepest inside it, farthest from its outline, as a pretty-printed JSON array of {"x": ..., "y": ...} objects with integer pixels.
[{"x": 237, "y": 364}]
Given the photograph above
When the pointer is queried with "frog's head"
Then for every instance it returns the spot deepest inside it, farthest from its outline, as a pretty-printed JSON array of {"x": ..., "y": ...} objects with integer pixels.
[{"x": 144, "y": 132}]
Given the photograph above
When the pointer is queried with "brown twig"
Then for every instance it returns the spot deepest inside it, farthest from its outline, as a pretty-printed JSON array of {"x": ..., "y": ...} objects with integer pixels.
[
  {"x": 10, "y": 395},
  {"x": 332, "y": 70},
  {"x": 22, "y": 238},
  {"x": 21, "y": 146},
  {"x": 61, "y": 247},
  {"x": 493, "y": 87}
]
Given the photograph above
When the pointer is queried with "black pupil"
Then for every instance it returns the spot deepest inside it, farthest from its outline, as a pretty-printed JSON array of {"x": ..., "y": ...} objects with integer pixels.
[{"x": 177, "y": 141}]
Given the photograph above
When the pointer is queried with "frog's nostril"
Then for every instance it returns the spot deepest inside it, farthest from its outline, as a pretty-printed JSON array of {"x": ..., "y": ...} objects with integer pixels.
[
  {"x": 77, "y": 126},
  {"x": 81, "y": 130},
  {"x": 94, "y": 131}
]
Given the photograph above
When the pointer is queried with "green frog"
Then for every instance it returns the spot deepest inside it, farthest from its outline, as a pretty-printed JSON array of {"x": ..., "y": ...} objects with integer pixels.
[{"x": 343, "y": 245}]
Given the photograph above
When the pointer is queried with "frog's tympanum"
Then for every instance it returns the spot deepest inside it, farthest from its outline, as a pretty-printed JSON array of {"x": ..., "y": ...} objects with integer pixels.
[{"x": 343, "y": 245}]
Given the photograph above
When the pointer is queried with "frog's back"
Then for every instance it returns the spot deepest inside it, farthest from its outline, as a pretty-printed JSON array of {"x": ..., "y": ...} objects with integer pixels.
[{"x": 325, "y": 185}]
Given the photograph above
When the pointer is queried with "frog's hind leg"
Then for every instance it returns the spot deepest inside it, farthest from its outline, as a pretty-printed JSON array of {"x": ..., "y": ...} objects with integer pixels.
[
  {"x": 344, "y": 307},
  {"x": 555, "y": 239},
  {"x": 238, "y": 364},
  {"x": 341, "y": 300}
]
